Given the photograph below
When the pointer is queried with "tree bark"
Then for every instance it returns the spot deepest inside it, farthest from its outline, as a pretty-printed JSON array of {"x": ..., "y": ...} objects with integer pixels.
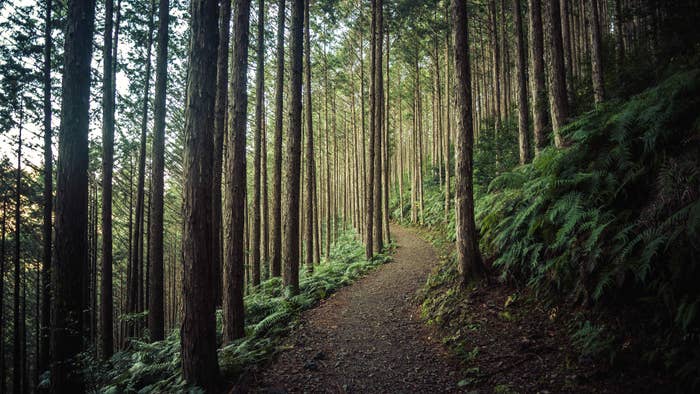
[
  {"x": 276, "y": 239},
  {"x": 310, "y": 173},
  {"x": 290, "y": 255},
  {"x": 596, "y": 55},
  {"x": 17, "y": 354},
  {"x": 107, "y": 308},
  {"x": 523, "y": 138},
  {"x": 136, "y": 285},
  {"x": 156, "y": 324},
  {"x": 539, "y": 96},
  {"x": 47, "y": 231},
  {"x": 198, "y": 333},
  {"x": 235, "y": 177},
  {"x": 220, "y": 117},
  {"x": 259, "y": 99},
  {"x": 468, "y": 256},
  {"x": 69, "y": 267},
  {"x": 558, "y": 100}
]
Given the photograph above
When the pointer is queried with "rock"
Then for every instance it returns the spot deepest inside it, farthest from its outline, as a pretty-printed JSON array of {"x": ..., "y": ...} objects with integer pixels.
[{"x": 311, "y": 365}]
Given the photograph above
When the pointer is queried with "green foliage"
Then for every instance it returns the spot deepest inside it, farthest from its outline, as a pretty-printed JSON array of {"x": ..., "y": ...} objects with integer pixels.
[
  {"x": 594, "y": 341},
  {"x": 614, "y": 217},
  {"x": 156, "y": 367}
]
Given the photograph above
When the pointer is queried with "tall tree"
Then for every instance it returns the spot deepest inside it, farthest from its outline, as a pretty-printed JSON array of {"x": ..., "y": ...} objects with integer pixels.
[
  {"x": 596, "y": 55},
  {"x": 3, "y": 229},
  {"x": 220, "y": 117},
  {"x": 310, "y": 165},
  {"x": 45, "y": 328},
  {"x": 136, "y": 291},
  {"x": 523, "y": 138},
  {"x": 69, "y": 266},
  {"x": 290, "y": 255},
  {"x": 17, "y": 354},
  {"x": 106, "y": 304},
  {"x": 235, "y": 202},
  {"x": 259, "y": 102},
  {"x": 468, "y": 256},
  {"x": 198, "y": 332},
  {"x": 558, "y": 100},
  {"x": 539, "y": 96},
  {"x": 377, "y": 120},
  {"x": 276, "y": 255},
  {"x": 156, "y": 324}
]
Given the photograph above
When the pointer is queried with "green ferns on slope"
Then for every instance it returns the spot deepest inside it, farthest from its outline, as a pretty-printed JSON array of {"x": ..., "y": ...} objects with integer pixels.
[
  {"x": 156, "y": 367},
  {"x": 615, "y": 216}
]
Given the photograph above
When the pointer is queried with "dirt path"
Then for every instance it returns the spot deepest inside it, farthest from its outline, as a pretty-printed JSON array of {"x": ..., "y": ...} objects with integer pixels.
[{"x": 368, "y": 337}]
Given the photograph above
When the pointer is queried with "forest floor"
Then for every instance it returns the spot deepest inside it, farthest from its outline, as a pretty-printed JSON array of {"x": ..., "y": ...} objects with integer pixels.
[{"x": 369, "y": 338}]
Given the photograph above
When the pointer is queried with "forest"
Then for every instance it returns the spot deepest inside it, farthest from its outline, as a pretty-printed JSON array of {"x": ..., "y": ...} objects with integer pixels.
[{"x": 349, "y": 196}]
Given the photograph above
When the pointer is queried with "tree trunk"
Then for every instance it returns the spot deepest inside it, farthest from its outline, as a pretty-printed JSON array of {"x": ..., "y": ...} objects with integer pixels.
[
  {"x": 198, "y": 333},
  {"x": 523, "y": 138},
  {"x": 69, "y": 267},
  {"x": 220, "y": 116},
  {"x": 276, "y": 255},
  {"x": 596, "y": 55},
  {"x": 558, "y": 101},
  {"x": 539, "y": 96},
  {"x": 468, "y": 256},
  {"x": 3, "y": 323},
  {"x": 495, "y": 56},
  {"x": 377, "y": 14},
  {"x": 259, "y": 102},
  {"x": 17, "y": 359},
  {"x": 235, "y": 178},
  {"x": 136, "y": 285},
  {"x": 290, "y": 255},
  {"x": 310, "y": 175},
  {"x": 45, "y": 325},
  {"x": 155, "y": 305}
]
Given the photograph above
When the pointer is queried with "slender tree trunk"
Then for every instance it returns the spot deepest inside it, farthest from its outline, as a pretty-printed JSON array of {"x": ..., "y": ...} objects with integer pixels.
[
  {"x": 290, "y": 256},
  {"x": 18, "y": 361},
  {"x": 378, "y": 123},
  {"x": 539, "y": 96},
  {"x": 523, "y": 138},
  {"x": 155, "y": 306},
  {"x": 468, "y": 256},
  {"x": 276, "y": 255},
  {"x": 566, "y": 45},
  {"x": 259, "y": 102},
  {"x": 136, "y": 285},
  {"x": 235, "y": 178},
  {"x": 198, "y": 332},
  {"x": 265, "y": 204},
  {"x": 558, "y": 101},
  {"x": 108, "y": 95},
  {"x": 310, "y": 175},
  {"x": 596, "y": 55},
  {"x": 45, "y": 325},
  {"x": 495, "y": 56},
  {"x": 69, "y": 267},
  {"x": 220, "y": 121},
  {"x": 3, "y": 323}
]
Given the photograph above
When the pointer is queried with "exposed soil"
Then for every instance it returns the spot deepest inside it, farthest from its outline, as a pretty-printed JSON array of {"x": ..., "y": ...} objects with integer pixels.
[{"x": 368, "y": 337}]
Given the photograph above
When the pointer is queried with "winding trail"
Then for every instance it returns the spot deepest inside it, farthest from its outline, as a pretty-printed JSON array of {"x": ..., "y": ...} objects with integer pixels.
[{"x": 368, "y": 337}]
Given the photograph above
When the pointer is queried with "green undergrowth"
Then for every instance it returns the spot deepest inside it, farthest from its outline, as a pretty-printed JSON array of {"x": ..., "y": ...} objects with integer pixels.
[
  {"x": 156, "y": 367},
  {"x": 609, "y": 223}
]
